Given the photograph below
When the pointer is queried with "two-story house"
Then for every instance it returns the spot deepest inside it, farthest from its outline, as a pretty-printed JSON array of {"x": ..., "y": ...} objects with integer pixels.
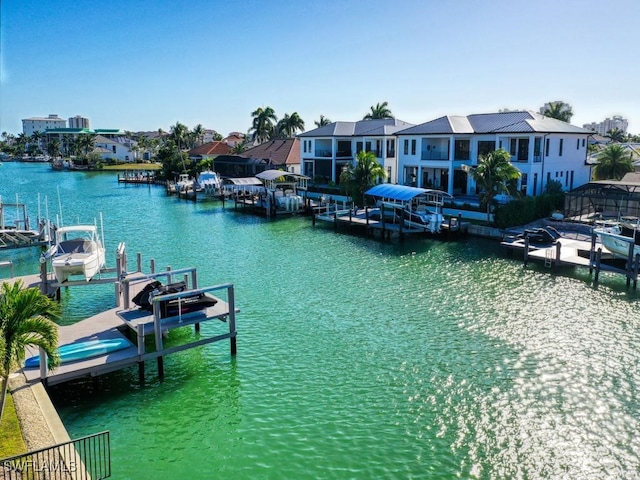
[
  {"x": 325, "y": 151},
  {"x": 431, "y": 155}
]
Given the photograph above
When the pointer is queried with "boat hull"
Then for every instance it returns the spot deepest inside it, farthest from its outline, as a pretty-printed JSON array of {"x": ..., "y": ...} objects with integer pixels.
[
  {"x": 74, "y": 352},
  {"x": 618, "y": 245},
  {"x": 87, "y": 265}
]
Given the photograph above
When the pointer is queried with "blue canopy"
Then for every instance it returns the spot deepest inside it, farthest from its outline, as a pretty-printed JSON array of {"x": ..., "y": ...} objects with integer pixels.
[{"x": 402, "y": 193}]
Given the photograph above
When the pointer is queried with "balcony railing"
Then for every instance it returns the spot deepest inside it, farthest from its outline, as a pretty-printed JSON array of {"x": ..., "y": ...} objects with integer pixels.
[
  {"x": 344, "y": 153},
  {"x": 83, "y": 458},
  {"x": 434, "y": 156},
  {"x": 323, "y": 153},
  {"x": 537, "y": 158},
  {"x": 391, "y": 153}
]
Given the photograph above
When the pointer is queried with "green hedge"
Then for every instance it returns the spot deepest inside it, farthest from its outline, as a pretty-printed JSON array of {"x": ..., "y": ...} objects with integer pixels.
[{"x": 528, "y": 209}]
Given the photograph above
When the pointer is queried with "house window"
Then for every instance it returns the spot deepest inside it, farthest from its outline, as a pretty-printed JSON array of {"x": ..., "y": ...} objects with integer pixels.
[
  {"x": 358, "y": 147},
  {"x": 560, "y": 149},
  {"x": 410, "y": 174},
  {"x": 406, "y": 147},
  {"x": 388, "y": 174},
  {"x": 578, "y": 144},
  {"x": 413, "y": 146},
  {"x": 367, "y": 146},
  {"x": 537, "y": 148},
  {"x": 512, "y": 147},
  {"x": 583, "y": 143},
  {"x": 523, "y": 184},
  {"x": 523, "y": 149},
  {"x": 379, "y": 148},
  {"x": 304, "y": 146},
  {"x": 462, "y": 150},
  {"x": 546, "y": 148},
  {"x": 391, "y": 148},
  {"x": 566, "y": 179},
  {"x": 486, "y": 146}
]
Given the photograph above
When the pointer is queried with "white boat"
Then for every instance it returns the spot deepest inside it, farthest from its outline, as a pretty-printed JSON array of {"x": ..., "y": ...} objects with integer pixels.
[
  {"x": 184, "y": 183},
  {"x": 613, "y": 239},
  {"x": 78, "y": 251},
  {"x": 209, "y": 183},
  {"x": 416, "y": 207}
]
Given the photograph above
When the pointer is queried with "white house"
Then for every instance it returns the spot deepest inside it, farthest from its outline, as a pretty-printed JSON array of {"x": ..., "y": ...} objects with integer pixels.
[
  {"x": 110, "y": 149},
  {"x": 326, "y": 150},
  {"x": 542, "y": 148}
]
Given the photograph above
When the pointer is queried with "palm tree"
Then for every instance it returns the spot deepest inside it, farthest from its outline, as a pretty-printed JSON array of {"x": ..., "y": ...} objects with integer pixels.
[
  {"x": 558, "y": 110},
  {"x": 617, "y": 135},
  {"x": 179, "y": 133},
  {"x": 238, "y": 148},
  {"x": 53, "y": 148},
  {"x": 494, "y": 175},
  {"x": 613, "y": 163},
  {"x": 356, "y": 179},
  {"x": 263, "y": 124},
  {"x": 26, "y": 318},
  {"x": 86, "y": 142},
  {"x": 289, "y": 125},
  {"x": 322, "y": 122},
  {"x": 381, "y": 110},
  {"x": 198, "y": 134}
]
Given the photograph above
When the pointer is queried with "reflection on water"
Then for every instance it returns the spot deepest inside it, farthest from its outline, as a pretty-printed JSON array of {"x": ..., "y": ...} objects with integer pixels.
[{"x": 358, "y": 358}]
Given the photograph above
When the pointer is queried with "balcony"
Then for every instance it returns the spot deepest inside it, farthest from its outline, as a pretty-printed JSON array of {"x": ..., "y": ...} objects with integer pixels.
[
  {"x": 433, "y": 155},
  {"x": 344, "y": 153},
  {"x": 323, "y": 153}
]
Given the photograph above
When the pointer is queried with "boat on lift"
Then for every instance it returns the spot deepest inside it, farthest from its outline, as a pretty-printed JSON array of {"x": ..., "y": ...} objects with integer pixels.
[{"x": 78, "y": 251}]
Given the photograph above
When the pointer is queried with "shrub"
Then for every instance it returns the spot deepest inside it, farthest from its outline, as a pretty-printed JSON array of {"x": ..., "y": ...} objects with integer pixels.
[{"x": 528, "y": 209}]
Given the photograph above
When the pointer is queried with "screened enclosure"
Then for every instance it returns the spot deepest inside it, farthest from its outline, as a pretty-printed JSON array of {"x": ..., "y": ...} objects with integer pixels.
[{"x": 605, "y": 199}]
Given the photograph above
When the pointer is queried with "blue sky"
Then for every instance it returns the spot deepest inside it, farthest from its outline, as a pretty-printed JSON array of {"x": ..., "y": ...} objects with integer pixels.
[{"x": 144, "y": 65}]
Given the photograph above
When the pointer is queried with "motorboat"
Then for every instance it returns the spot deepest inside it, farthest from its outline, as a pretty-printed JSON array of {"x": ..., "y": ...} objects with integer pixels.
[
  {"x": 78, "y": 251},
  {"x": 209, "y": 183},
  {"x": 619, "y": 240},
  {"x": 417, "y": 208},
  {"x": 184, "y": 183}
]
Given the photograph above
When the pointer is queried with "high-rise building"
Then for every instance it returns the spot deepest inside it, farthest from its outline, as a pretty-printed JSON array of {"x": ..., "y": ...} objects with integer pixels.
[
  {"x": 40, "y": 124},
  {"x": 78, "y": 122},
  {"x": 607, "y": 125}
]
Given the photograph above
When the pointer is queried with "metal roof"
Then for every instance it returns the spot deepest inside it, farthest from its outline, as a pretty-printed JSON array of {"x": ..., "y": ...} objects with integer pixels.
[
  {"x": 243, "y": 181},
  {"x": 395, "y": 192},
  {"x": 379, "y": 127},
  {"x": 504, "y": 122},
  {"x": 273, "y": 174}
]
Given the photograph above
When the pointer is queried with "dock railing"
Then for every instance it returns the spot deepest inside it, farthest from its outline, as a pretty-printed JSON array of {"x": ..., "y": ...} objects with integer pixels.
[{"x": 83, "y": 458}]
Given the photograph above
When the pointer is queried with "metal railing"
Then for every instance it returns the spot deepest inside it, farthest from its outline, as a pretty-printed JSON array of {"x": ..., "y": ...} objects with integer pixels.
[{"x": 83, "y": 458}]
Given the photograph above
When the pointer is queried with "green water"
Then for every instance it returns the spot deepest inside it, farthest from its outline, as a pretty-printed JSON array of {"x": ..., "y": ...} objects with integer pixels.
[{"x": 356, "y": 358}]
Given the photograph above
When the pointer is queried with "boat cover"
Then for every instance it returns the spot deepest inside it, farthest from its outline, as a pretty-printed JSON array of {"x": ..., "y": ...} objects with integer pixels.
[
  {"x": 395, "y": 192},
  {"x": 243, "y": 181},
  {"x": 273, "y": 174}
]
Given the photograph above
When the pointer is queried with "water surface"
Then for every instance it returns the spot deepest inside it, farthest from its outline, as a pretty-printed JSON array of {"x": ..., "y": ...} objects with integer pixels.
[{"x": 356, "y": 358}]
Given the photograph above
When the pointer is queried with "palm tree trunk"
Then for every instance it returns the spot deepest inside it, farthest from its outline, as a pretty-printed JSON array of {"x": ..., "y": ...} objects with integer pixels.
[{"x": 3, "y": 393}]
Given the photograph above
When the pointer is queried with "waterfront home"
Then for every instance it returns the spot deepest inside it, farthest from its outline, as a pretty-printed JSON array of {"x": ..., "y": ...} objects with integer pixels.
[
  {"x": 431, "y": 155},
  {"x": 280, "y": 154},
  {"x": 209, "y": 150},
  {"x": 110, "y": 149},
  {"x": 326, "y": 151}
]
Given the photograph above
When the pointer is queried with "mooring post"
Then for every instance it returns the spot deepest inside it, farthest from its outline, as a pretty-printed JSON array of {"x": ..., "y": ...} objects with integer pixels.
[
  {"x": 139, "y": 262},
  {"x": 526, "y": 250},
  {"x": 169, "y": 275},
  {"x": 158, "y": 335},
  {"x": 636, "y": 267},
  {"x": 232, "y": 320},
  {"x": 556, "y": 262},
  {"x": 152, "y": 265},
  {"x": 592, "y": 252},
  {"x": 598, "y": 259},
  {"x": 335, "y": 221}
]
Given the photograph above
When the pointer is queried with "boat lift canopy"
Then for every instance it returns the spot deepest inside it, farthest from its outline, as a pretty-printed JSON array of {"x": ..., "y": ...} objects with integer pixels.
[
  {"x": 404, "y": 193},
  {"x": 270, "y": 178}
]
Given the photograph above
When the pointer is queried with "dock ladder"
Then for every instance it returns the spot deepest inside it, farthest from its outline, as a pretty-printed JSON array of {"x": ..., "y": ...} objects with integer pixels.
[{"x": 549, "y": 257}]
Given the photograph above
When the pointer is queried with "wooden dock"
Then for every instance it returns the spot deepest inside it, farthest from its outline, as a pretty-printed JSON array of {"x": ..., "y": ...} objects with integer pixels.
[
  {"x": 567, "y": 252},
  {"x": 129, "y": 321},
  {"x": 360, "y": 220}
]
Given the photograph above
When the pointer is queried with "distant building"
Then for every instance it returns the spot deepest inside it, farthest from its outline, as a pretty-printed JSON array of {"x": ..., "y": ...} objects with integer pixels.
[
  {"x": 40, "y": 124},
  {"x": 78, "y": 122},
  {"x": 607, "y": 125}
]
